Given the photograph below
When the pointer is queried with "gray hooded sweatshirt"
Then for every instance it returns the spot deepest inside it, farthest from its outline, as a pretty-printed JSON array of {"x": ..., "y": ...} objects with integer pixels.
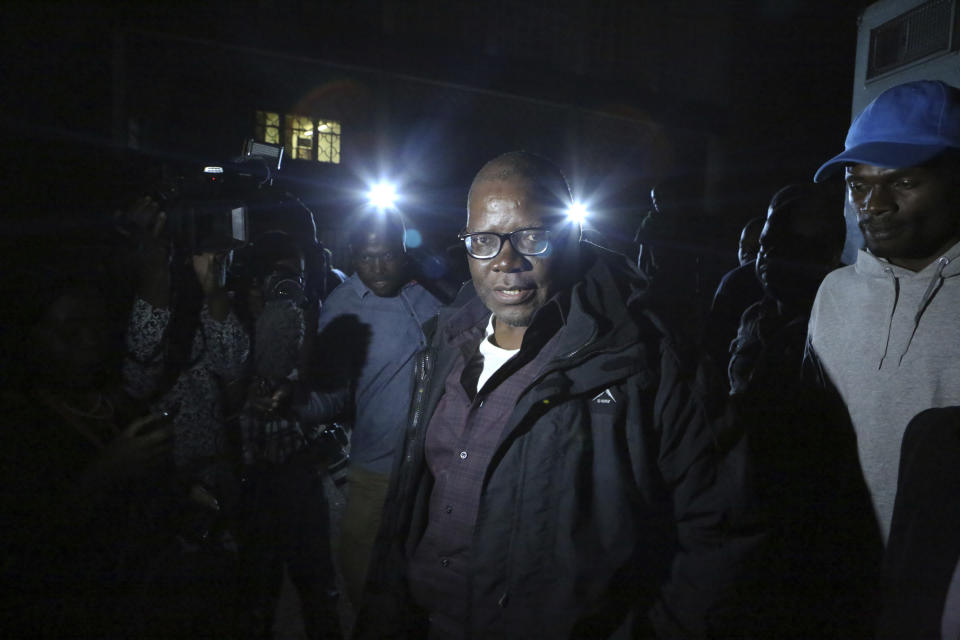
[{"x": 888, "y": 340}]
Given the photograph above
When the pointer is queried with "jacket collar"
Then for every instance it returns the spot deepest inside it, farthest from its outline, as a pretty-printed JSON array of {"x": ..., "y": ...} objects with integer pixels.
[
  {"x": 593, "y": 313},
  {"x": 466, "y": 314}
]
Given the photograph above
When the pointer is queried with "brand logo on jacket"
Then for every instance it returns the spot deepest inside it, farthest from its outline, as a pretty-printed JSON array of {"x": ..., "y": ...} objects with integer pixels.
[{"x": 604, "y": 397}]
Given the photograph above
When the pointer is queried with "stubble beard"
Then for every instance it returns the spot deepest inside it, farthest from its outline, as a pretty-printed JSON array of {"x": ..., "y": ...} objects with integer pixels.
[{"x": 510, "y": 321}]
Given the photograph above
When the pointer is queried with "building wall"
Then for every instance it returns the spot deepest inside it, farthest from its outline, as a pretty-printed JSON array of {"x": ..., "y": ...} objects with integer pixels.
[
  {"x": 944, "y": 65},
  {"x": 431, "y": 136}
]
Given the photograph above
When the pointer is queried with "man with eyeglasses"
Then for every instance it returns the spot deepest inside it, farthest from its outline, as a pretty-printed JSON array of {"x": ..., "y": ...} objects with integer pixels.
[{"x": 557, "y": 479}]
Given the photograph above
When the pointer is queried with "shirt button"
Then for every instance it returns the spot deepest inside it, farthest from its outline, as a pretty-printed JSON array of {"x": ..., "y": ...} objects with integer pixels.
[
  {"x": 449, "y": 509},
  {"x": 463, "y": 455},
  {"x": 444, "y": 562}
]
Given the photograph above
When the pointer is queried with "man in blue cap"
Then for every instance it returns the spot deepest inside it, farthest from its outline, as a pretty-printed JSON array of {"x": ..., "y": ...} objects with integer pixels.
[{"x": 884, "y": 330}]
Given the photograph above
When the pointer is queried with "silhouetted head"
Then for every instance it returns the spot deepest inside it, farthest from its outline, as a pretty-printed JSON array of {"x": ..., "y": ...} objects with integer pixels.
[
  {"x": 750, "y": 240},
  {"x": 73, "y": 342},
  {"x": 670, "y": 198},
  {"x": 801, "y": 242},
  {"x": 671, "y": 233}
]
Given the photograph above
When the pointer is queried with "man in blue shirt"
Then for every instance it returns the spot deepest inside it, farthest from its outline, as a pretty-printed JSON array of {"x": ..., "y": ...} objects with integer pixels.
[{"x": 369, "y": 330}]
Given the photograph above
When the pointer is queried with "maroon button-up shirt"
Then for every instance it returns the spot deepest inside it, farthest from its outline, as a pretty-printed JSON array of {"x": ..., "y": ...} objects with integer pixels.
[{"x": 461, "y": 439}]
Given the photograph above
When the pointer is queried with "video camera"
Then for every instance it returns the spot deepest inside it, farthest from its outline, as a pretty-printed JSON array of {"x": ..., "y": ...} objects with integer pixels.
[{"x": 209, "y": 209}]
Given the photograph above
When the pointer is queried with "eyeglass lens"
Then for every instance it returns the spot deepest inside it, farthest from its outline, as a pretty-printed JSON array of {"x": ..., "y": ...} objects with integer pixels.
[{"x": 528, "y": 242}]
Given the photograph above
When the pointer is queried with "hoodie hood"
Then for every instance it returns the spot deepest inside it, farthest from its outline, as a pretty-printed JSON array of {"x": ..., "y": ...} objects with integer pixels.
[{"x": 931, "y": 277}]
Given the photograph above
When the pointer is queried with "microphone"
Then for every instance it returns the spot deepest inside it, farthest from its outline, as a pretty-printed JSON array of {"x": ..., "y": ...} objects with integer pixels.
[{"x": 278, "y": 340}]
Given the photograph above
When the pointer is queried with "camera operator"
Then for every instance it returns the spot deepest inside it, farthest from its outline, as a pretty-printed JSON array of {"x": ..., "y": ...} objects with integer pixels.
[
  {"x": 284, "y": 519},
  {"x": 183, "y": 343}
]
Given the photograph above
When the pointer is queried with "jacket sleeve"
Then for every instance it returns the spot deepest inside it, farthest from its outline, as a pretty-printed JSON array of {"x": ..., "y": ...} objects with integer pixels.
[
  {"x": 707, "y": 489},
  {"x": 143, "y": 364},
  {"x": 227, "y": 344},
  {"x": 317, "y": 406},
  {"x": 921, "y": 559},
  {"x": 224, "y": 347},
  {"x": 388, "y": 611},
  {"x": 849, "y": 545}
]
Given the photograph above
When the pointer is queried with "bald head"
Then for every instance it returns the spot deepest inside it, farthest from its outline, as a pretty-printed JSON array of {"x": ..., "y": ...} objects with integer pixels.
[
  {"x": 514, "y": 196},
  {"x": 543, "y": 180}
]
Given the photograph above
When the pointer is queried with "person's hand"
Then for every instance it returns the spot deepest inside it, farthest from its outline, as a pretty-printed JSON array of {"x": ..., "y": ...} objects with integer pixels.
[
  {"x": 144, "y": 218},
  {"x": 211, "y": 274},
  {"x": 138, "y": 448},
  {"x": 269, "y": 402},
  {"x": 201, "y": 496},
  {"x": 255, "y": 301},
  {"x": 145, "y": 222},
  {"x": 209, "y": 267}
]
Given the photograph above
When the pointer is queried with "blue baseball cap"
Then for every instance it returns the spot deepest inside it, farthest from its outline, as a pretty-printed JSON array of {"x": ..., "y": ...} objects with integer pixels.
[{"x": 904, "y": 126}]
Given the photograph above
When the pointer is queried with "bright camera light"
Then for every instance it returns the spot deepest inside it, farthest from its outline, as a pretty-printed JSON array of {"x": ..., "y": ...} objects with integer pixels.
[
  {"x": 382, "y": 195},
  {"x": 577, "y": 213}
]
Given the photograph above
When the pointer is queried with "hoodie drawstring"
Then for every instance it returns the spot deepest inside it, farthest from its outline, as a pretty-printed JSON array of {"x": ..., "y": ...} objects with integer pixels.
[
  {"x": 935, "y": 283},
  {"x": 893, "y": 310}
]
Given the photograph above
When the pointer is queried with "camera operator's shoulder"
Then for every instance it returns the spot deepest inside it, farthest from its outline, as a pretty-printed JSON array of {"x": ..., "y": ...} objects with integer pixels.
[
  {"x": 342, "y": 301},
  {"x": 344, "y": 296},
  {"x": 426, "y": 298}
]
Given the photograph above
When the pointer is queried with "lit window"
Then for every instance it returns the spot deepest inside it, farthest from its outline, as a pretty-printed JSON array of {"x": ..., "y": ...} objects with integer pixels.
[
  {"x": 304, "y": 137},
  {"x": 267, "y": 127},
  {"x": 328, "y": 141},
  {"x": 298, "y": 134}
]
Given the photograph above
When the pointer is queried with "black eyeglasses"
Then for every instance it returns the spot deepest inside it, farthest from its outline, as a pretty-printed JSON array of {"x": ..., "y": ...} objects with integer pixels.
[{"x": 485, "y": 245}]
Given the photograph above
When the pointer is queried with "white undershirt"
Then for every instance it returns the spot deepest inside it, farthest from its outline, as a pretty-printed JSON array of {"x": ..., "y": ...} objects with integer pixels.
[{"x": 493, "y": 356}]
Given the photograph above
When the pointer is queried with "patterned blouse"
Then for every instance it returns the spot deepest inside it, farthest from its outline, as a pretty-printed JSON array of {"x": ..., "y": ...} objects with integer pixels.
[{"x": 218, "y": 354}]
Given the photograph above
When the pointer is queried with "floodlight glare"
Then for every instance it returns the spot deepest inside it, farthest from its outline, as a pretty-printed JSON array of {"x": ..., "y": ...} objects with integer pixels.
[
  {"x": 577, "y": 212},
  {"x": 382, "y": 195}
]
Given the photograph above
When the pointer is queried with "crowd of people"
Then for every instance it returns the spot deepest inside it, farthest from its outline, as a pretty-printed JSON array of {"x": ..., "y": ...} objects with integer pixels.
[{"x": 578, "y": 445}]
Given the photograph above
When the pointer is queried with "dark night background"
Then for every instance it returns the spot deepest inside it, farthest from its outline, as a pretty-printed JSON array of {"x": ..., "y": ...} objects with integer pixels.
[{"x": 733, "y": 98}]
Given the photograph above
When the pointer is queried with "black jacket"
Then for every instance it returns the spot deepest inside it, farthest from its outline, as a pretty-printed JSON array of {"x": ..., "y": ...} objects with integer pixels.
[
  {"x": 924, "y": 545},
  {"x": 600, "y": 511}
]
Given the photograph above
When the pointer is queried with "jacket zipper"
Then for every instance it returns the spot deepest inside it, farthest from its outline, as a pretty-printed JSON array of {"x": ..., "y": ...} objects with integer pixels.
[
  {"x": 423, "y": 364},
  {"x": 405, "y": 471}
]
